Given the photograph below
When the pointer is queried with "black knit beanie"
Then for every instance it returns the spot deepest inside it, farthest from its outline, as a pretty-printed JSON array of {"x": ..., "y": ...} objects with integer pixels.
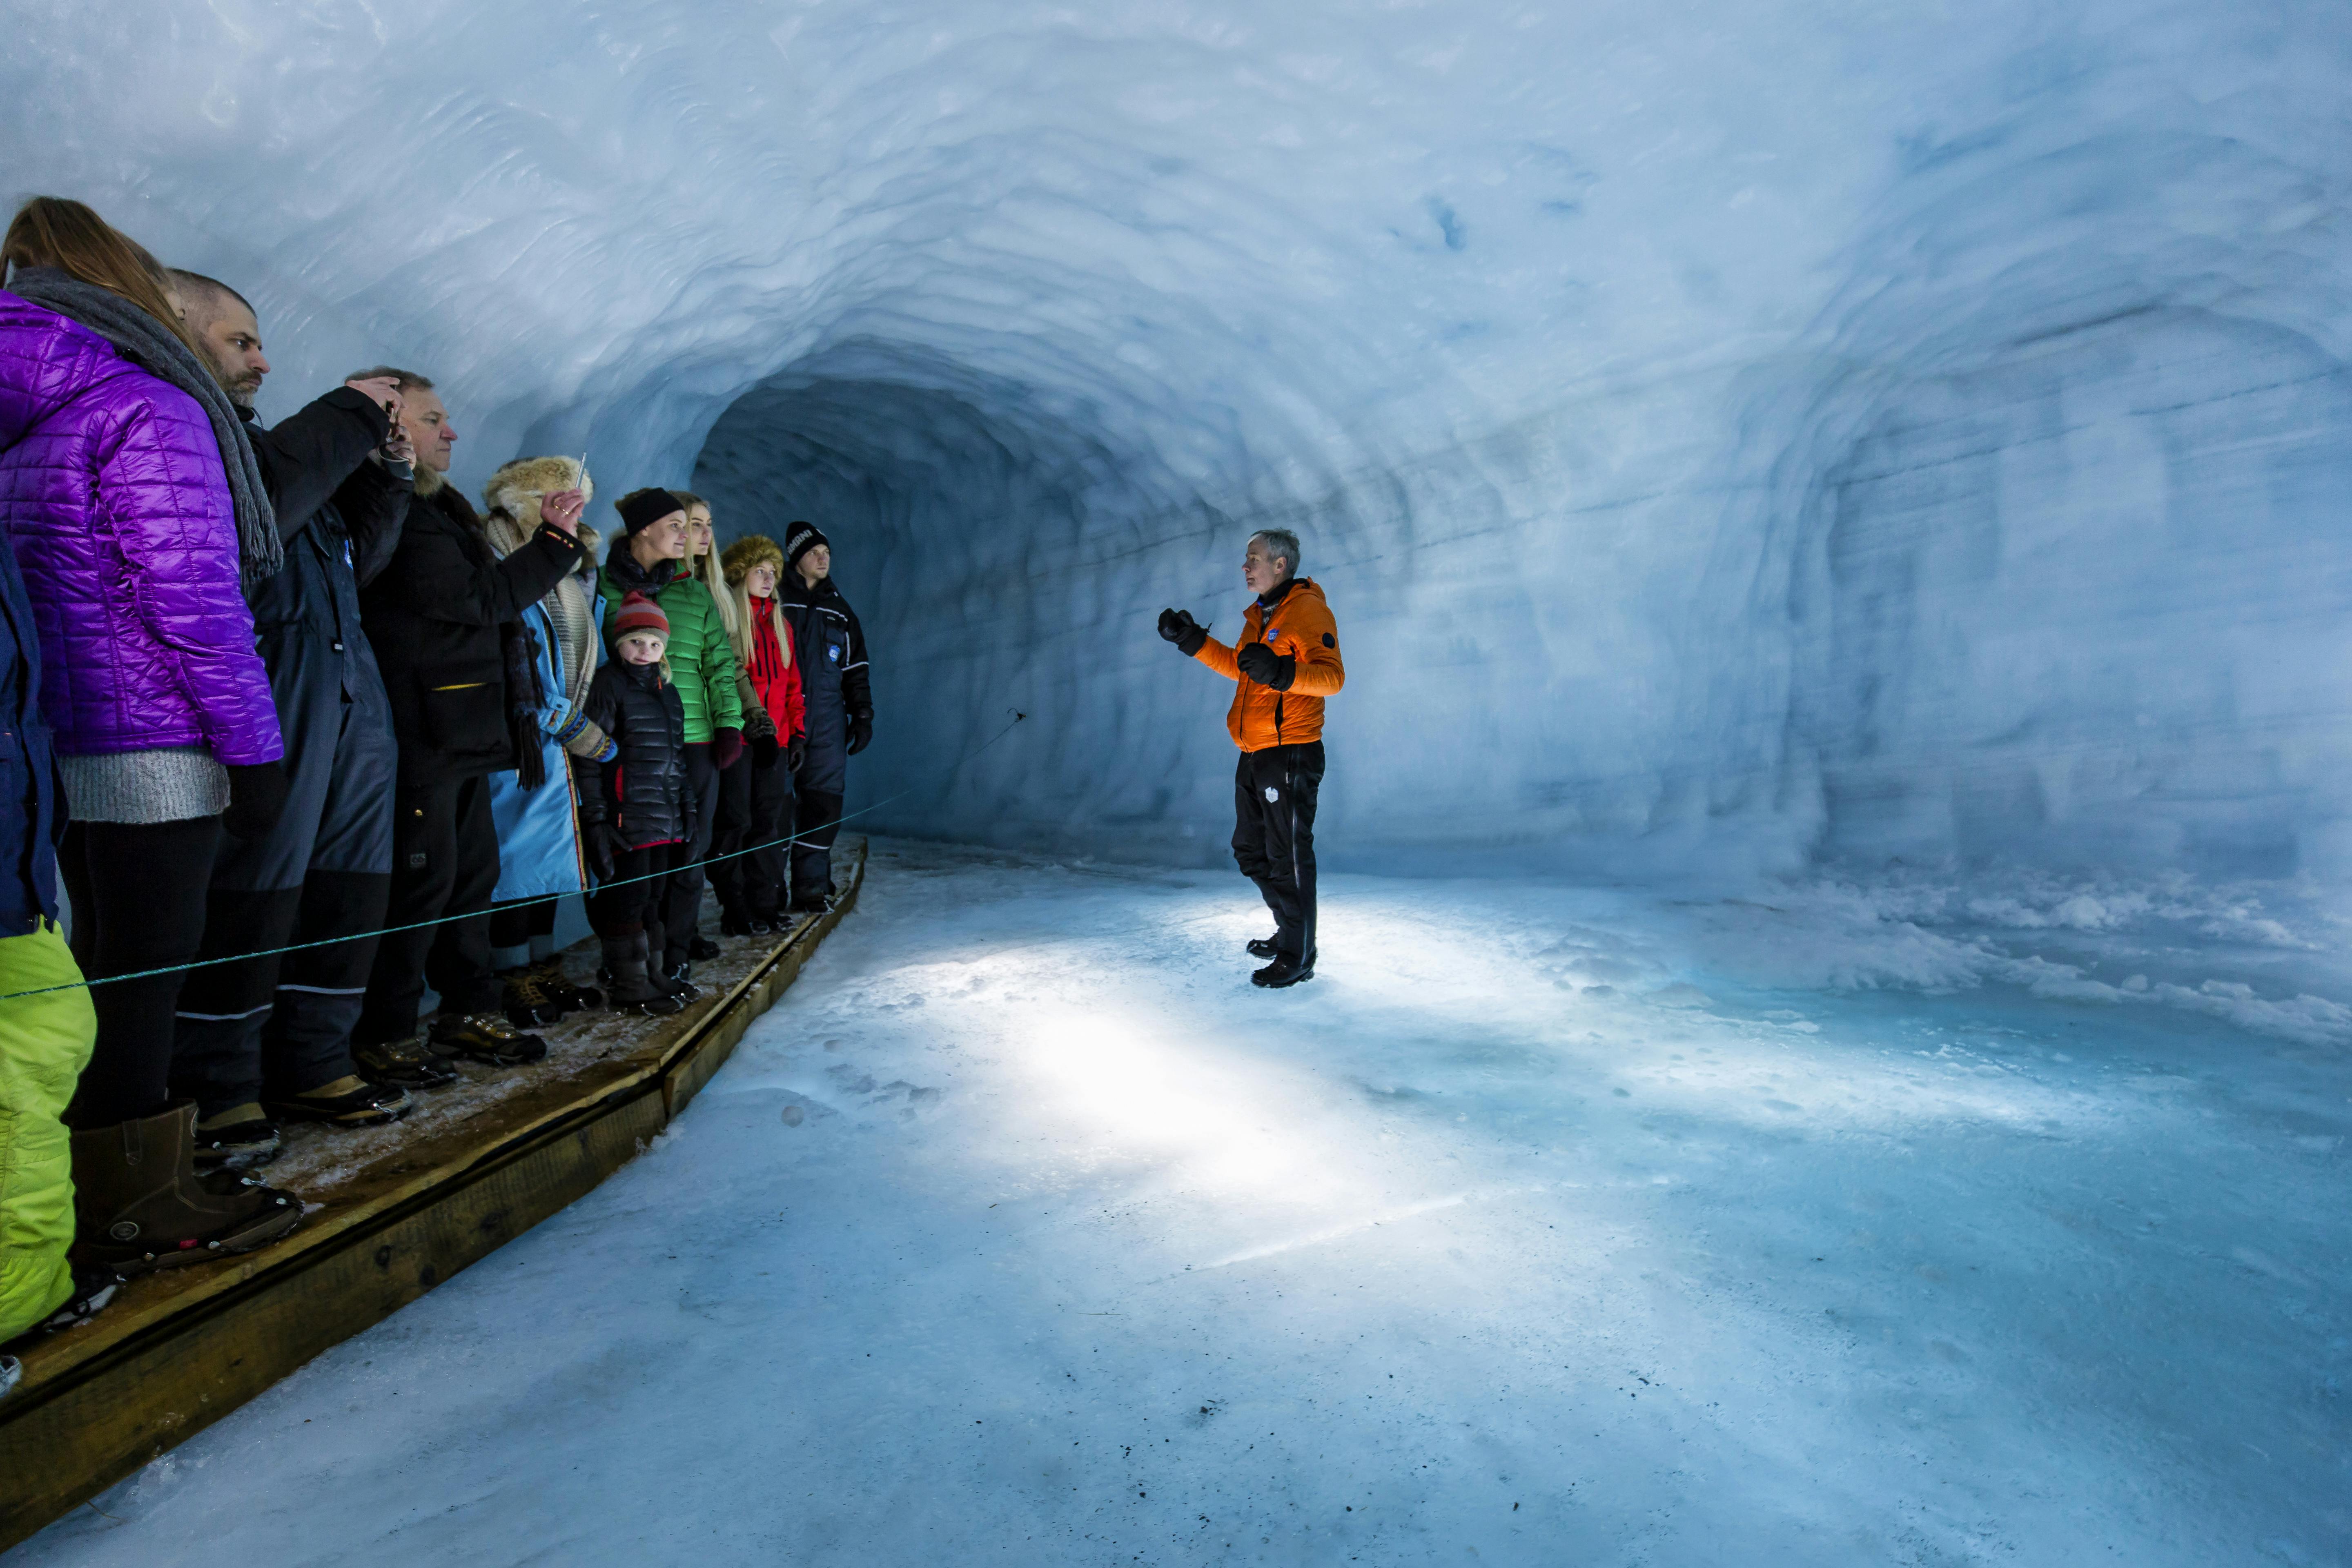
[
  {"x": 646, "y": 508},
  {"x": 799, "y": 540}
]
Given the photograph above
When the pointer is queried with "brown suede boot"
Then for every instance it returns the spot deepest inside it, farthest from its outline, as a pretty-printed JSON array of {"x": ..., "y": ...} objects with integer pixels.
[{"x": 139, "y": 1204}]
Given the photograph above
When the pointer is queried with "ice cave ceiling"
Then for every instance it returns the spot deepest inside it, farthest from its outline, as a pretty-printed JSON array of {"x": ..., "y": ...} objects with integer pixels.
[{"x": 1731, "y": 436}]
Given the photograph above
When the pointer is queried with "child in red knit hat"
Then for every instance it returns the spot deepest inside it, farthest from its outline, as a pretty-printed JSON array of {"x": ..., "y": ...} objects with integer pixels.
[{"x": 636, "y": 811}]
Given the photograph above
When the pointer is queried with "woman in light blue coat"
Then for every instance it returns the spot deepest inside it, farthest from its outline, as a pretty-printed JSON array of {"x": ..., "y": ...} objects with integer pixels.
[{"x": 539, "y": 826}]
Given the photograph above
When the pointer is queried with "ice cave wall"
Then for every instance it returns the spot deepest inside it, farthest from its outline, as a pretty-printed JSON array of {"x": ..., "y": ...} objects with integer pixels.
[{"x": 1730, "y": 435}]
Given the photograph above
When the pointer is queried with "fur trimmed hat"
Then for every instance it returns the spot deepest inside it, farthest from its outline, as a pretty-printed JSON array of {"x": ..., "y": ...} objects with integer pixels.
[
  {"x": 802, "y": 538},
  {"x": 516, "y": 488},
  {"x": 638, "y": 614},
  {"x": 751, "y": 550}
]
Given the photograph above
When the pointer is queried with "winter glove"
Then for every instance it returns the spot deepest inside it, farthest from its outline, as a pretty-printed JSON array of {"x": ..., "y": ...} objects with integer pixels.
[
  {"x": 257, "y": 798},
  {"x": 726, "y": 748},
  {"x": 764, "y": 751},
  {"x": 601, "y": 843},
  {"x": 861, "y": 731},
  {"x": 1268, "y": 668},
  {"x": 797, "y": 752},
  {"x": 1179, "y": 628}
]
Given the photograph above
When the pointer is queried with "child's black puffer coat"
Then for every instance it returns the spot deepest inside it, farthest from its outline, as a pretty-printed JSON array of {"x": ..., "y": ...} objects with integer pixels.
[{"x": 642, "y": 792}]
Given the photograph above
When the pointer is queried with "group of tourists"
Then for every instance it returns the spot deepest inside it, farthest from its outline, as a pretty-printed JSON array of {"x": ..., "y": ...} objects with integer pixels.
[{"x": 304, "y": 734}]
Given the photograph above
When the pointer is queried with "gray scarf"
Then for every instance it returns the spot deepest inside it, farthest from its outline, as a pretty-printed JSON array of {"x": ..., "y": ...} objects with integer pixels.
[{"x": 153, "y": 348}]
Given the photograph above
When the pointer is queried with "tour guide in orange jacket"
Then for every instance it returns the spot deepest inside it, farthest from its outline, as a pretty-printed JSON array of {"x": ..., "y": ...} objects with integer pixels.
[{"x": 1285, "y": 663}]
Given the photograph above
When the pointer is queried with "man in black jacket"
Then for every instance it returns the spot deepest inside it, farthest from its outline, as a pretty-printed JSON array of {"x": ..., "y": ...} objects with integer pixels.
[
  {"x": 830, "y": 646},
  {"x": 446, "y": 618},
  {"x": 263, "y": 1038}
]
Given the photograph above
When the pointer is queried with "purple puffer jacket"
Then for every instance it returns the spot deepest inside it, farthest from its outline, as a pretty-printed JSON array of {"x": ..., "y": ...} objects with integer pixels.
[{"x": 113, "y": 494}]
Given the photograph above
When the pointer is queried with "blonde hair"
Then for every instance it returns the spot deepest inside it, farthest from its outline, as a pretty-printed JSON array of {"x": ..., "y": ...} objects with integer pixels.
[
  {"x": 752, "y": 551},
  {"x": 707, "y": 570}
]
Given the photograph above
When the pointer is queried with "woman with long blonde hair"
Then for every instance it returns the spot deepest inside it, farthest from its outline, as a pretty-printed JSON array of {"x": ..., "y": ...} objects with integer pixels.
[{"x": 756, "y": 806}]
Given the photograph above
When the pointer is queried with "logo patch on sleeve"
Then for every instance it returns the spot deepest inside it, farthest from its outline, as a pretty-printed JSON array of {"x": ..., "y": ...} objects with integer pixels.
[{"x": 1272, "y": 794}]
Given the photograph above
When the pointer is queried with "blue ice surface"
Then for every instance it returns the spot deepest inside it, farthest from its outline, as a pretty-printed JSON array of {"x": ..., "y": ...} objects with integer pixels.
[
  {"x": 1730, "y": 436},
  {"x": 1546, "y": 1225}
]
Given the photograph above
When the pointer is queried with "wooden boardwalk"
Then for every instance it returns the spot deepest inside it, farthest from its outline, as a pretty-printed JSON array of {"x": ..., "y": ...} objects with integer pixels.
[{"x": 394, "y": 1212}]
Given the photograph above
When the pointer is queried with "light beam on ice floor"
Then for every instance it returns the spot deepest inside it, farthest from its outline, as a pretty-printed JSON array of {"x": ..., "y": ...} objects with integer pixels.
[{"x": 1546, "y": 1226}]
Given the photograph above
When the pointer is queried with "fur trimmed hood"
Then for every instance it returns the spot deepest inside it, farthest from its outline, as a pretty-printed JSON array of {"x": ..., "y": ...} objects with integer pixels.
[
  {"x": 751, "y": 550},
  {"x": 512, "y": 499}
]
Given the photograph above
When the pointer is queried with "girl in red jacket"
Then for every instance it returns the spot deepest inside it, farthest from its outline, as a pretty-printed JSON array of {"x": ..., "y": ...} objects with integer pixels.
[{"x": 755, "y": 809}]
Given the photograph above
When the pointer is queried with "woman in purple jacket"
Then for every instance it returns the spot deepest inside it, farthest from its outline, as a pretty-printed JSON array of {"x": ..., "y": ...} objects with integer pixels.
[{"x": 129, "y": 493}]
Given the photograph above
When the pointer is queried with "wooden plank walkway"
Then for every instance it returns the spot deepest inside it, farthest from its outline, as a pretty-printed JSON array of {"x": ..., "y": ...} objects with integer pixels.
[{"x": 393, "y": 1210}]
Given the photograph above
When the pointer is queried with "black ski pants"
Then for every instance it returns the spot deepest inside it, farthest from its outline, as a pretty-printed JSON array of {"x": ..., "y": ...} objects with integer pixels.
[
  {"x": 633, "y": 900},
  {"x": 817, "y": 821},
  {"x": 445, "y": 861},
  {"x": 138, "y": 894},
  {"x": 323, "y": 871},
  {"x": 755, "y": 827},
  {"x": 681, "y": 911},
  {"x": 1274, "y": 792}
]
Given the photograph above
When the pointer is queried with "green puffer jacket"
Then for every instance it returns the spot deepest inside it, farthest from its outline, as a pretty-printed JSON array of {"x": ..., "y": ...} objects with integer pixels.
[{"x": 702, "y": 659}]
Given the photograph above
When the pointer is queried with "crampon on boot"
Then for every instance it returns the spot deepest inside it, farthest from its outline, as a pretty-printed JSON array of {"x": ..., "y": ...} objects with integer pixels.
[
  {"x": 633, "y": 989},
  {"x": 523, "y": 996},
  {"x": 557, "y": 982},
  {"x": 677, "y": 981},
  {"x": 348, "y": 1102},
  {"x": 402, "y": 1064},
  {"x": 140, "y": 1203},
  {"x": 1286, "y": 970},
  {"x": 484, "y": 1037},
  {"x": 238, "y": 1139},
  {"x": 1263, "y": 947}
]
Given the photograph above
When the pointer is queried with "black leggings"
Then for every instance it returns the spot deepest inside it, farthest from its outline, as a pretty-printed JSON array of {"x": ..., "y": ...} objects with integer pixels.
[{"x": 138, "y": 891}]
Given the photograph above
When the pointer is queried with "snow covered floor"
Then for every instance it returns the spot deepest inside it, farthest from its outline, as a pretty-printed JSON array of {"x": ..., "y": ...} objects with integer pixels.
[{"x": 1547, "y": 1226}]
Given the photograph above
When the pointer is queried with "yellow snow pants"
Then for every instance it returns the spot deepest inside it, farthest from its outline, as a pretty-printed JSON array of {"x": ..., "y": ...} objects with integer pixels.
[{"x": 44, "y": 1044}]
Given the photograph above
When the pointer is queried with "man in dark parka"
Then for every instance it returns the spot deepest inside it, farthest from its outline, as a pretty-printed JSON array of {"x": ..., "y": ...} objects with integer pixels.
[{"x": 445, "y": 617}]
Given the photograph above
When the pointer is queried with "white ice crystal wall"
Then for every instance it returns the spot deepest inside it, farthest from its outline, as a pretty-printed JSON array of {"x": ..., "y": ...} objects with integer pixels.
[{"x": 1729, "y": 434}]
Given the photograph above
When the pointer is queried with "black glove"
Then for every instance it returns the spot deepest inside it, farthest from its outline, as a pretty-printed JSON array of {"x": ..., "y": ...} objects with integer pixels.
[
  {"x": 763, "y": 751},
  {"x": 797, "y": 752},
  {"x": 256, "y": 799},
  {"x": 726, "y": 747},
  {"x": 1268, "y": 668},
  {"x": 861, "y": 731},
  {"x": 1179, "y": 628},
  {"x": 600, "y": 841}
]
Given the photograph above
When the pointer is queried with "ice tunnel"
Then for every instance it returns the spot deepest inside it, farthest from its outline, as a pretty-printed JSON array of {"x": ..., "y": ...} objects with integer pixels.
[{"x": 1732, "y": 437}]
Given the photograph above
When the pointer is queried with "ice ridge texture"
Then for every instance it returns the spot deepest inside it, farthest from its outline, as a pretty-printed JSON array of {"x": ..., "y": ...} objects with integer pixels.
[{"x": 1731, "y": 436}]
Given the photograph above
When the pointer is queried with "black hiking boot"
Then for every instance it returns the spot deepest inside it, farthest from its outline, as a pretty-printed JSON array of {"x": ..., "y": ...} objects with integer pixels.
[
  {"x": 238, "y": 1139},
  {"x": 523, "y": 997},
  {"x": 348, "y": 1102},
  {"x": 140, "y": 1203},
  {"x": 734, "y": 924},
  {"x": 701, "y": 950},
  {"x": 557, "y": 982},
  {"x": 402, "y": 1064},
  {"x": 1285, "y": 970},
  {"x": 1263, "y": 947},
  {"x": 484, "y": 1037}
]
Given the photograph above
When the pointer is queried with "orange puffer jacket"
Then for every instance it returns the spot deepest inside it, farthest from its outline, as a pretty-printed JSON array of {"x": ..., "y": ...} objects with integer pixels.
[{"x": 1300, "y": 628}]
